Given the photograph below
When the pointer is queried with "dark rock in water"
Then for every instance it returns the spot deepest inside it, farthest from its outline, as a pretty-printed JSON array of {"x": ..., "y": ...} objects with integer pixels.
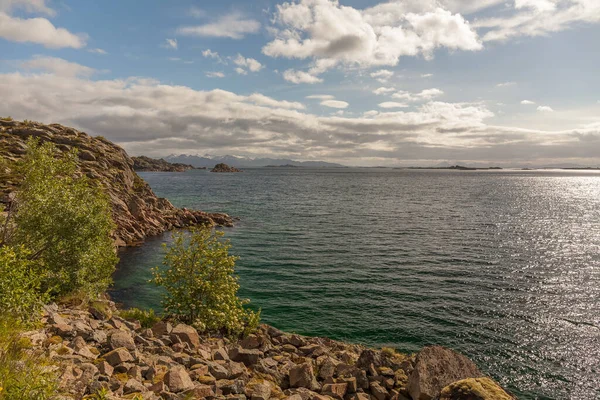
[
  {"x": 435, "y": 368},
  {"x": 222, "y": 167}
]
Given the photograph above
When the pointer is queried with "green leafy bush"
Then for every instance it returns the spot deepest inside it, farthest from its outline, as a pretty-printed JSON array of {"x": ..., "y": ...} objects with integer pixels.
[
  {"x": 24, "y": 374},
  {"x": 201, "y": 285},
  {"x": 147, "y": 318},
  {"x": 20, "y": 283},
  {"x": 64, "y": 221}
]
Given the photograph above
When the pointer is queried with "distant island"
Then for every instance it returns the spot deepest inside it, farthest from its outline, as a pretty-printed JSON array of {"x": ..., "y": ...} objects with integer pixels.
[
  {"x": 222, "y": 167},
  {"x": 455, "y": 167},
  {"x": 283, "y": 166},
  {"x": 143, "y": 163},
  {"x": 245, "y": 162}
]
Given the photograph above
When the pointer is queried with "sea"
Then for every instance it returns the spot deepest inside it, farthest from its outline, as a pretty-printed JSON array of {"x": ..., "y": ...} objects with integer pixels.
[{"x": 500, "y": 265}]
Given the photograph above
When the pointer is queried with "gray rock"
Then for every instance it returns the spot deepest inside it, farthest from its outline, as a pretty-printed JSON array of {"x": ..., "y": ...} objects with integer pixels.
[
  {"x": 118, "y": 356},
  {"x": 436, "y": 367},
  {"x": 186, "y": 334},
  {"x": 121, "y": 339},
  {"x": 178, "y": 380},
  {"x": 303, "y": 376},
  {"x": 162, "y": 328},
  {"x": 133, "y": 386},
  {"x": 247, "y": 356},
  {"x": 262, "y": 391}
]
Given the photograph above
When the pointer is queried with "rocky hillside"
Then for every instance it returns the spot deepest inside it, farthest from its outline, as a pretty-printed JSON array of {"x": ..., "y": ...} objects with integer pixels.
[
  {"x": 137, "y": 211},
  {"x": 98, "y": 351},
  {"x": 143, "y": 163}
]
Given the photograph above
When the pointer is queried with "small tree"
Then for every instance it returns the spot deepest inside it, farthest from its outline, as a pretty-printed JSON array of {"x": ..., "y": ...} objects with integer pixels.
[
  {"x": 64, "y": 221},
  {"x": 201, "y": 285}
]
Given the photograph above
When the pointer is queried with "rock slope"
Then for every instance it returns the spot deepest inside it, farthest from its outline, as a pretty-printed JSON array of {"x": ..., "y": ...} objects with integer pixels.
[
  {"x": 143, "y": 163},
  {"x": 137, "y": 211},
  {"x": 96, "y": 350}
]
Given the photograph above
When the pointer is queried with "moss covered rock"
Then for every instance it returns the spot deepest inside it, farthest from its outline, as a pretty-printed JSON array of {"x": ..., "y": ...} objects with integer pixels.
[{"x": 474, "y": 389}]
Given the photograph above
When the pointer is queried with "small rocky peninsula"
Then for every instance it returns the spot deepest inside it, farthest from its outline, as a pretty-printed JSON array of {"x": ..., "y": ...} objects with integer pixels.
[
  {"x": 137, "y": 211},
  {"x": 147, "y": 164},
  {"x": 222, "y": 167}
]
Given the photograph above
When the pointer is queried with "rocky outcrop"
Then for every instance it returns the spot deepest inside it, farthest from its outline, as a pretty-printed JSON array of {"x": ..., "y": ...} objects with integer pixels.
[
  {"x": 475, "y": 389},
  {"x": 437, "y": 367},
  {"x": 143, "y": 163},
  {"x": 102, "y": 351},
  {"x": 136, "y": 210},
  {"x": 222, "y": 167}
]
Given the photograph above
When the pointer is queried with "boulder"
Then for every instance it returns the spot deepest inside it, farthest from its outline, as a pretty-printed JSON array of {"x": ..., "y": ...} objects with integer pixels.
[
  {"x": 435, "y": 368},
  {"x": 118, "y": 356},
  {"x": 161, "y": 328},
  {"x": 199, "y": 392},
  {"x": 378, "y": 391},
  {"x": 247, "y": 356},
  {"x": 133, "y": 386},
  {"x": 474, "y": 389},
  {"x": 369, "y": 357},
  {"x": 186, "y": 334},
  {"x": 302, "y": 376},
  {"x": 261, "y": 391},
  {"x": 178, "y": 380},
  {"x": 335, "y": 390},
  {"x": 121, "y": 339}
]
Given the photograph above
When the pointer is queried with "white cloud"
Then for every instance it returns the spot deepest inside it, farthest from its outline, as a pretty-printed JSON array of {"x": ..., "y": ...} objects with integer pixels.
[
  {"x": 234, "y": 26},
  {"x": 392, "y": 104},
  {"x": 527, "y": 102},
  {"x": 539, "y": 18},
  {"x": 506, "y": 84},
  {"x": 540, "y": 5},
  {"x": 154, "y": 118},
  {"x": 249, "y": 63},
  {"x": 30, "y": 6},
  {"x": 426, "y": 75},
  {"x": 325, "y": 97},
  {"x": 382, "y": 75},
  {"x": 263, "y": 100},
  {"x": 384, "y": 90},
  {"x": 334, "y": 103},
  {"x": 424, "y": 95},
  {"x": 294, "y": 76},
  {"x": 325, "y": 30},
  {"x": 57, "y": 66},
  {"x": 370, "y": 113},
  {"x": 545, "y": 109},
  {"x": 97, "y": 51},
  {"x": 170, "y": 44},
  {"x": 215, "y": 74},
  {"x": 241, "y": 71},
  {"x": 40, "y": 31}
]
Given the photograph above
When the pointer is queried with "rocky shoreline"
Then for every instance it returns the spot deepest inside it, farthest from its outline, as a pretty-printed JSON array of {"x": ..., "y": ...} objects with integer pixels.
[
  {"x": 136, "y": 210},
  {"x": 97, "y": 351}
]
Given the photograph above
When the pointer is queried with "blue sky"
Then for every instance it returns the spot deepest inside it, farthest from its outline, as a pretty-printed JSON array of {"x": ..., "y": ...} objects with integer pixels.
[{"x": 406, "y": 82}]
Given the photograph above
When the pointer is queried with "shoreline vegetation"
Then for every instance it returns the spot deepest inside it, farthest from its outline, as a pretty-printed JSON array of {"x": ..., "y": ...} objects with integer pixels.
[{"x": 66, "y": 196}]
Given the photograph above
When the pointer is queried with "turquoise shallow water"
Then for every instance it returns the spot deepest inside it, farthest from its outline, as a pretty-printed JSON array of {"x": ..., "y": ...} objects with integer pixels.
[{"x": 502, "y": 266}]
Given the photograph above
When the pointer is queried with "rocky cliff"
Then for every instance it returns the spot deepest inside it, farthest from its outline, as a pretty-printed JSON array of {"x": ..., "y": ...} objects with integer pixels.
[
  {"x": 143, "y": 163},
  {"x": 137, "y": 211},
  {"x": 101, "y": 352}
]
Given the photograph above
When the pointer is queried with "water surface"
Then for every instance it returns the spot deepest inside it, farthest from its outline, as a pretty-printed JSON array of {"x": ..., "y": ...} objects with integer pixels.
[{"x": 503, "y": 266}]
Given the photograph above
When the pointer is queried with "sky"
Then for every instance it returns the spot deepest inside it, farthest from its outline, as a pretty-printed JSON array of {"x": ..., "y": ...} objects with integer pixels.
[{"x": 358, "y": 82}]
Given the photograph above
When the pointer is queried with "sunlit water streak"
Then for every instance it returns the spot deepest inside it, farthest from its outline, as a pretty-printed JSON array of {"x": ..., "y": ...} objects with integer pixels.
[{"x": 502, "y": 266}]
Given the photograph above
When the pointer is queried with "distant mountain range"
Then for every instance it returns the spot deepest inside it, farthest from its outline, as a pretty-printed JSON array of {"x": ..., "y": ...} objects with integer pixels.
[{"x": 234, "y": 161}]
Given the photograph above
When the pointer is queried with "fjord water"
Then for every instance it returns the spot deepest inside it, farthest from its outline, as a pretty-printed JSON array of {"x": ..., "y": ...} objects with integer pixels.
[{"x": 503, "y": 266}]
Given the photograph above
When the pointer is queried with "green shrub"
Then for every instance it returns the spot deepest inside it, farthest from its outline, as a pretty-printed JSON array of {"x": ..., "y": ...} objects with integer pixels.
[
  {"x": 64, "y": 221},
  {"x": 201, "y": 285},
  {"x": 147, "y": 318},
  {"x": 20, "y": 283},
  {"x": 24, "y": 374},
  {"x": 9, "y": 118}
]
